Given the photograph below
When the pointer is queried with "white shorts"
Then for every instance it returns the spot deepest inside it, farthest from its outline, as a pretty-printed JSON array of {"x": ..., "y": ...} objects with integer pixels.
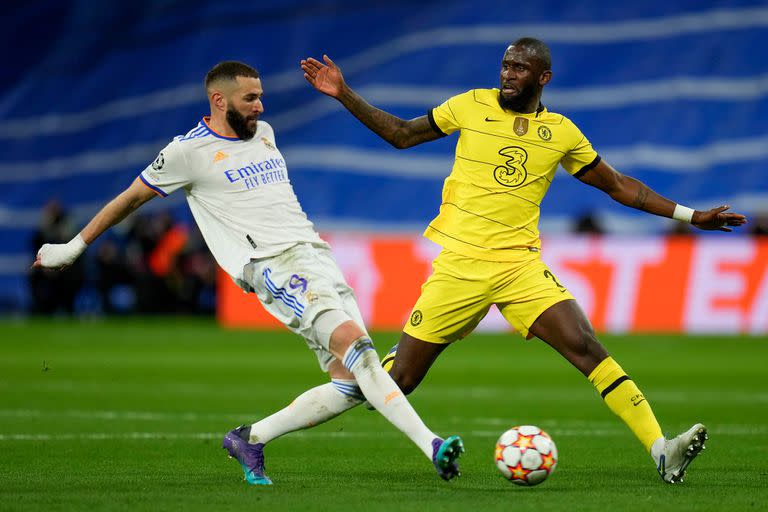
[{"x": 299, "y": 284}]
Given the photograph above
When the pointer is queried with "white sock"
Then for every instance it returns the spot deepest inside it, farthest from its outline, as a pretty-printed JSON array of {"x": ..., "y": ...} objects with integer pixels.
[
  {"x": 313, "y": 407},
  {"x": 382, "y": 392},
  {"x": 657, "y": 448}
]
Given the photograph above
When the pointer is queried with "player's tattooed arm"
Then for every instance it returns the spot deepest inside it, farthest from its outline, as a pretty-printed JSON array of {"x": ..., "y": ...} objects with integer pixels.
[
  {"x": 640, "y": 199},
  {"x": 327, "y": 78},
  {"x": 398, "y": 132},
  {"x": 636, "y": 194},
  {"x": 627, "y": 190}
]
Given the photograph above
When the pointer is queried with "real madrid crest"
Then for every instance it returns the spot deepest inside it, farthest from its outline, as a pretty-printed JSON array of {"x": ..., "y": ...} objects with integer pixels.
[
  {"x": 268, "y": 143},
  {"x": 521, "y": 126}
]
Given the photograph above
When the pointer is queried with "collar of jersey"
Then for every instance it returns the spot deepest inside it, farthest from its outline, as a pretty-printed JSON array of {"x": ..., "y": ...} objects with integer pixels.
[
  {"x": 539, "y": 111},
  {"x": 204, "y": 122},
  {"x": 532, "y": 115}
]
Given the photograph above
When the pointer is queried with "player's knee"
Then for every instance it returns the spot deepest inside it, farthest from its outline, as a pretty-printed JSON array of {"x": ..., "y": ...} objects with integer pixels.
[
  {"x": 361, "y": 356},
  {"x": 335, "y": 330},
  {"x": 584, "y": 348},
  {"x": 581, "y": 342}
]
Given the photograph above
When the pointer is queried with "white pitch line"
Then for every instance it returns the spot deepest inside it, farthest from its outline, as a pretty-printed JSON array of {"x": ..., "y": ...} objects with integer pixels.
[
  {"x": 107, "y": 436},
  {"x": 588, "y": 395},
  {"x": 122, "y": 415},
  {"x": 155, "y": 436},
  {"x": 469, "y": 392},
  {"x": 618, "y": 430},
  {"x": 152, "y": 436}
]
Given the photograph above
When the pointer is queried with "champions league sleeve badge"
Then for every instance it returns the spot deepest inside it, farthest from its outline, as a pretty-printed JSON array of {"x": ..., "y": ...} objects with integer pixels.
[{"x": 159, "y": 162}]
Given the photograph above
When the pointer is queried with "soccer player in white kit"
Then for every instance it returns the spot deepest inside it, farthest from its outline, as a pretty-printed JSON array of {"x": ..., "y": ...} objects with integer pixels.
[{"x": 237, "y": 186}]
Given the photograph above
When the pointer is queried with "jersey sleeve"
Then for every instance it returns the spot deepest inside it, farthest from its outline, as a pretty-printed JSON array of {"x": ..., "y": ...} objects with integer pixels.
[
  {"x": 168, "y": 172},
  {"x": 446, "y": 118},
  {"x": 581, "y": 157}
]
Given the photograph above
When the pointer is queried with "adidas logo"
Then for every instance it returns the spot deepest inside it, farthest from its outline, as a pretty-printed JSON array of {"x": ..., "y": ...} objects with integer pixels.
[{"x": 219, "y": 156}]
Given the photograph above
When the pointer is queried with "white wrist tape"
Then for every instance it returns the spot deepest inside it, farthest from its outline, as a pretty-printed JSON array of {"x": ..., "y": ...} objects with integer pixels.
[
  {"x": 58, "y": 255},
  {"x": 78, "y": 244},
  {"x": 683, "y": 213}
]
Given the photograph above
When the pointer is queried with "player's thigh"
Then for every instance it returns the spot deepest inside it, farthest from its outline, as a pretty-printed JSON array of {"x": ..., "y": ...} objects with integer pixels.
[
  {"x": 297, "y": 287},
  {"x": 452, "y": 302},
  {"x": 350, "y": 331},
  {"x": 345, "y": 292},
  {"x": 527, "y": 290}
]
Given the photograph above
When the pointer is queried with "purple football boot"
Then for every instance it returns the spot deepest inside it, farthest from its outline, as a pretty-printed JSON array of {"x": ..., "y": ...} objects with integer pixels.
[
  {"x": 445, "y": 454},
  {"x": 250, "y": 456}
]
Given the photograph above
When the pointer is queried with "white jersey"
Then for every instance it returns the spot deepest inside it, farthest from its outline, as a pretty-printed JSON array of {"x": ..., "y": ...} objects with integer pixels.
[{"x": 238, "y": 191}]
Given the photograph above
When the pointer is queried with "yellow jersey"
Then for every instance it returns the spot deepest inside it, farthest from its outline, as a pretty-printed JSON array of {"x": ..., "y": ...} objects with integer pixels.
[{"x": 505, "y": 162}]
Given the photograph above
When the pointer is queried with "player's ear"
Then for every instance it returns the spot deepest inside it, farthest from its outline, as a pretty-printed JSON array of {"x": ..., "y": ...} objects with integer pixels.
[
  {"x": 545, "y": 77},
  {"x": 218, "y": 101}
]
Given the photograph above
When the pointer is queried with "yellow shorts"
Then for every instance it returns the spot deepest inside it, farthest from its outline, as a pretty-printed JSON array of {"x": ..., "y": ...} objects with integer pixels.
[{"x": 460, "y": 291}]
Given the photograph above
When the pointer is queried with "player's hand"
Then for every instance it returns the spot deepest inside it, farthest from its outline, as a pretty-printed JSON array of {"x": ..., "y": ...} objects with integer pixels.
[
  {"x": 326, "y": 78},
  {"x": 59, "y": 256},
  {"x": 717, "y": 219}
]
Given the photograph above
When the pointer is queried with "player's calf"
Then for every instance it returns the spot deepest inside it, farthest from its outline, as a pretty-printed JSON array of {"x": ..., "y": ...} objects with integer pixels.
[{"x": 406, "y": 375}]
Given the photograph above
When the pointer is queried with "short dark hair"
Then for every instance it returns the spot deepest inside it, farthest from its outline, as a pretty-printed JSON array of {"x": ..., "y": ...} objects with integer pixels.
[
  {"x": 229, "y": 70},
  {"x": 538, "y": 48}
]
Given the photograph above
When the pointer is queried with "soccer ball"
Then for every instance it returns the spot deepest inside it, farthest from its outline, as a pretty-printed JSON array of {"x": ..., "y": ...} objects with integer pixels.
[{"x": 526, "y": 455}]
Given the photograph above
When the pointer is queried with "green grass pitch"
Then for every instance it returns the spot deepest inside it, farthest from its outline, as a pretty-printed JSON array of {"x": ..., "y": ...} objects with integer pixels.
[{"x": 129, "y": 415}]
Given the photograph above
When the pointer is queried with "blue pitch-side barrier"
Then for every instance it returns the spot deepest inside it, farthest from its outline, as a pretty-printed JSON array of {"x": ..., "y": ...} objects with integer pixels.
[{"x": 674, "y": 93}]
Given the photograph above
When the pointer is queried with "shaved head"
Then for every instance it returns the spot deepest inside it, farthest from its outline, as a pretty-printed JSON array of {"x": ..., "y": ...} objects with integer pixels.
[
  {"x": 536, "y": 49},
  {"x": 224, "y": 75}
]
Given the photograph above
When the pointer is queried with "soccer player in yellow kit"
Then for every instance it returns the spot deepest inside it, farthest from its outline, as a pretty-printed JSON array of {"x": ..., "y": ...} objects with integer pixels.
[{"x": 508, "y": 150}]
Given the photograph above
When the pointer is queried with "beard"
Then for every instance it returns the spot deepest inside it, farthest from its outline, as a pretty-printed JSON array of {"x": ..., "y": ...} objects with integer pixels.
[
  {"x": 239, "y": 123},
  {"x": 520, "y": 102}
]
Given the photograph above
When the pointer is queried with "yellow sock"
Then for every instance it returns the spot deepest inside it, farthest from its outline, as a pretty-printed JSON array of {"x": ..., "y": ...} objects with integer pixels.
[
  {"x": 623, "y": 397},
  {"x": 389, "y": 359}
]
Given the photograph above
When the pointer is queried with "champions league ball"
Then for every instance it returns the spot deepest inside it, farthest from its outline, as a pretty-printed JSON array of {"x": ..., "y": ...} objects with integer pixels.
[{"x": 526, "y": 455}]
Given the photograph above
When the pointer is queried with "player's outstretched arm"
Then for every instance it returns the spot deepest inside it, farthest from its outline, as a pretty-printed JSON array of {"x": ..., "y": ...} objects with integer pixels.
[
  {"x": 636, "y": 194},
  {"x": 60, "y": 256},
  {"x": 327, "y": 78}
]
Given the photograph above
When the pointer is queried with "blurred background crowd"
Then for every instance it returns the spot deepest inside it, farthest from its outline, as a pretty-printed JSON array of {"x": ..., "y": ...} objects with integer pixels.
[
  {"x": 150, "y": 264},
  {"x": 154, "y": 264}
]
